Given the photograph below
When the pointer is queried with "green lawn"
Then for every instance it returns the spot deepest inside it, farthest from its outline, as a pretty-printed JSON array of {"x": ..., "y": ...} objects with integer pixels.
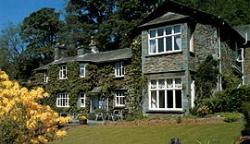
[{"x": 219, "y": 133}]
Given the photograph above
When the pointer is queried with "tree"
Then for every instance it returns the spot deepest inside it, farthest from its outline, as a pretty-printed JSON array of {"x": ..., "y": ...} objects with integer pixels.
[
  {"x": 206, "y": 78},
  {"x": 236, "y": 12},
  {"x": 111, "y": 22},
  {"x": 22, "y": 118},
  {"x": 39, "y": 32},
  {"x": 11, "y": 46}
]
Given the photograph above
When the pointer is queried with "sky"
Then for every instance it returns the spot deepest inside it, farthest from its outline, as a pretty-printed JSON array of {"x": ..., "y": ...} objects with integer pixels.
[{"x": 14, "y": 11}]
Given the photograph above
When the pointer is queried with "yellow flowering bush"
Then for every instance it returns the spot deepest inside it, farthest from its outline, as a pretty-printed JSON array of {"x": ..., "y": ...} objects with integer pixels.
[{"x": 22, "y": 118}]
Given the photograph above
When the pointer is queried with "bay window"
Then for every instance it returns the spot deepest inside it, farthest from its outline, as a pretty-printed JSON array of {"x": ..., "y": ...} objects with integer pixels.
[
  {"x": 165, "y": 94},
  {"x": 165, "y": 39}
]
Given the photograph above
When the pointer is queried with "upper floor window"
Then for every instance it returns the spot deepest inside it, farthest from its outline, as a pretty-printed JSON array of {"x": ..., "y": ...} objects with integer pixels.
[
  {"x": 45, "y": 77},
  {"x": 62, "y": 100},
  {"x": 119, "y": 69},
  {"x": 165, "y": 39},
  {"x": 82, "y": 70},
  {"x": 81, "y": 99},
  {"x": 119, "y": 98},
  {"x": 63, "y": 72}
]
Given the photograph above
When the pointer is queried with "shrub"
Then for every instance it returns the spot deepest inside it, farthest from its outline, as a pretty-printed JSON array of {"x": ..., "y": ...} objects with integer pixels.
[
  {"x": 245, "y": 108},
  {"x": 203, "y": 111},
  {"x": 231, "y": 117},
  {"x": 91, "y": 116},
  {"x": 22, "y": 118}
]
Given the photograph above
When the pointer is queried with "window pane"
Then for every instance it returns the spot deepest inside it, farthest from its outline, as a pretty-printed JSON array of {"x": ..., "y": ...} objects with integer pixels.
[
  {"x": 153, "y": 84},
  {"x": 153, "y": 99},
  {"x": 152, "y": 46},
  {"x": 161, "y": 84},
  {"x": 178, "y": 99},
  {"x": 169, "y": 43},
  {"x": 170, "y": 99},
  {"x": 177, "y": 29},
  {"x": 152, "y": 33},
  {"x": 160, "y": 44},
  {"x": 168, "y": 30},
  {"x": 169, "y": 83},
  {"x": 122, "y": 101},
  {"x": 177, "y": 42},
  {"x": 160, "y": 32},
  {"x": 178, "y": 83},
  {"x": 162, "y": 99}
]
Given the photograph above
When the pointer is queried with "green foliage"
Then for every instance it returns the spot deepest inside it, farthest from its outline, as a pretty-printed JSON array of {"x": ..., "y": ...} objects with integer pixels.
[
  {"x": 245, "y": 109},
  {"x": 8, "y": 131},
  {"x": 230, "y": 80},
  {"x": 203, "y": 111},
  {"x": 236, "y": 12},
  {"x": 206, "y": 78},
  {"x": 231, "y": 117}
]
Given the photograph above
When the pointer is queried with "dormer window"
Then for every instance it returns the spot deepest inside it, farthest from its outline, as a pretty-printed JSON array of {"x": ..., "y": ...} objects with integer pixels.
[
  {"x": 165, "y": 39},
  {"x": 63, "y": 72},
  {"x": 45, "y": 77},
  {"x": 119, "y": 69},
  {"x": 82, "y": 70}
]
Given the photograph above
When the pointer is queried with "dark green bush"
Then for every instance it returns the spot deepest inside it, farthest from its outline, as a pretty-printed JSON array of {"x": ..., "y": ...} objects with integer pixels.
[
  {"x": 229, "y": 100},
  {"x": 245, "y": 109},
  {"x": 8, "y": 131},
  {"x": 91, "y": 116}
]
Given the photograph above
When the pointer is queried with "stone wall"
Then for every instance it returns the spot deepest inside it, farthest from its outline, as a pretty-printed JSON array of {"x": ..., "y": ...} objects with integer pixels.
[{"x": 247, "y": 66}]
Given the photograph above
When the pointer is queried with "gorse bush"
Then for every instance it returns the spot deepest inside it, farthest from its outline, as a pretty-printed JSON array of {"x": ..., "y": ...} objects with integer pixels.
[{"x": 22, "y": 118}]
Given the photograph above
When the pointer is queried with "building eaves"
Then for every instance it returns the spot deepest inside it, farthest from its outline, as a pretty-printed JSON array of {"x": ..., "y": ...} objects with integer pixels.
[{"x": 101, "y": 57}]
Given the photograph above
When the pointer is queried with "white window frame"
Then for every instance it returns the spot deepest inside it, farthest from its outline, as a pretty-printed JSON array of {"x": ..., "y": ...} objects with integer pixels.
[
  {"x": 164, "y": 36},
  {"x": 165, "y": 88},
  {"x": 62, "y": 100},
  {"x": 82, "y": 67},
  {"x": 82, "y": 96},
  {"x": 63, "y": 72},
  {"x": 45, "y": 77},
  {"x": 119, "y": 95},
  {"x": 119, "y": 69}
]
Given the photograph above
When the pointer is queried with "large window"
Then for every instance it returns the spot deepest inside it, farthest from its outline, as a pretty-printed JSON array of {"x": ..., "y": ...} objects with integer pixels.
[
  {"x": 119, "y": 69},
  {"x": 62, "y": 100},
  {"x": 63, "y": 72},
  {"x": 81, "y": 99},
  {"x": 82, "y": 70},
  {"x": 165, "y": 94},
  {"x": 119, "y": 98},
  {"x": 165, "y": 39}
]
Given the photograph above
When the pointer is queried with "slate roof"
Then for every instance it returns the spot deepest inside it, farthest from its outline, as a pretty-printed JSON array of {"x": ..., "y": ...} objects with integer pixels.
[
  {"x": 168, "y": 17},
  {"x": 101, "y": 57},
  {"x": 155, "y": 18}
]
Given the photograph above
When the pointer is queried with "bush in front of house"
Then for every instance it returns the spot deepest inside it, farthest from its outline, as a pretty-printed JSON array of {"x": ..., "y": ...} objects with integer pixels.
[
  {"x": 229, "y": 100},
  {"x": 245, "y": 109},
  {"x": 231, "y": 116}
]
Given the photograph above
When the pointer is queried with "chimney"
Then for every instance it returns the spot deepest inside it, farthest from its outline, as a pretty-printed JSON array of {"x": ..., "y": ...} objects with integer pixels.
[
  {"x": 81, "y": 50},
  {"x": 92, "y": 45},
  {"x": 59, "y": 51}
]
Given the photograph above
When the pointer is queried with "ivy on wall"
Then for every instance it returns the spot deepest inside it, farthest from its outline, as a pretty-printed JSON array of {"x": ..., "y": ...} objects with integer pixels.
[{"x": 99, "y": 76}]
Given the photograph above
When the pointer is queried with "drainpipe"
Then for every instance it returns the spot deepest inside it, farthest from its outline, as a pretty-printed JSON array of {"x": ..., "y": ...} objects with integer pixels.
[
  {"x": 220, "y": 65},
  {"x": 243, "y": 60}
]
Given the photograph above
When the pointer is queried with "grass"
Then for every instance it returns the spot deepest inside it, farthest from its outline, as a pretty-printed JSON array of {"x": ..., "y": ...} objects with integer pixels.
[{"x": 214, "y": 133}]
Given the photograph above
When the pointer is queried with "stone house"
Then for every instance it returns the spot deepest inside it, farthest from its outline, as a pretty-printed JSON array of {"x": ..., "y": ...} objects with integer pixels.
[
  {"x": 86, "y": 82},
  {"x": 175, "y": 40}
]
